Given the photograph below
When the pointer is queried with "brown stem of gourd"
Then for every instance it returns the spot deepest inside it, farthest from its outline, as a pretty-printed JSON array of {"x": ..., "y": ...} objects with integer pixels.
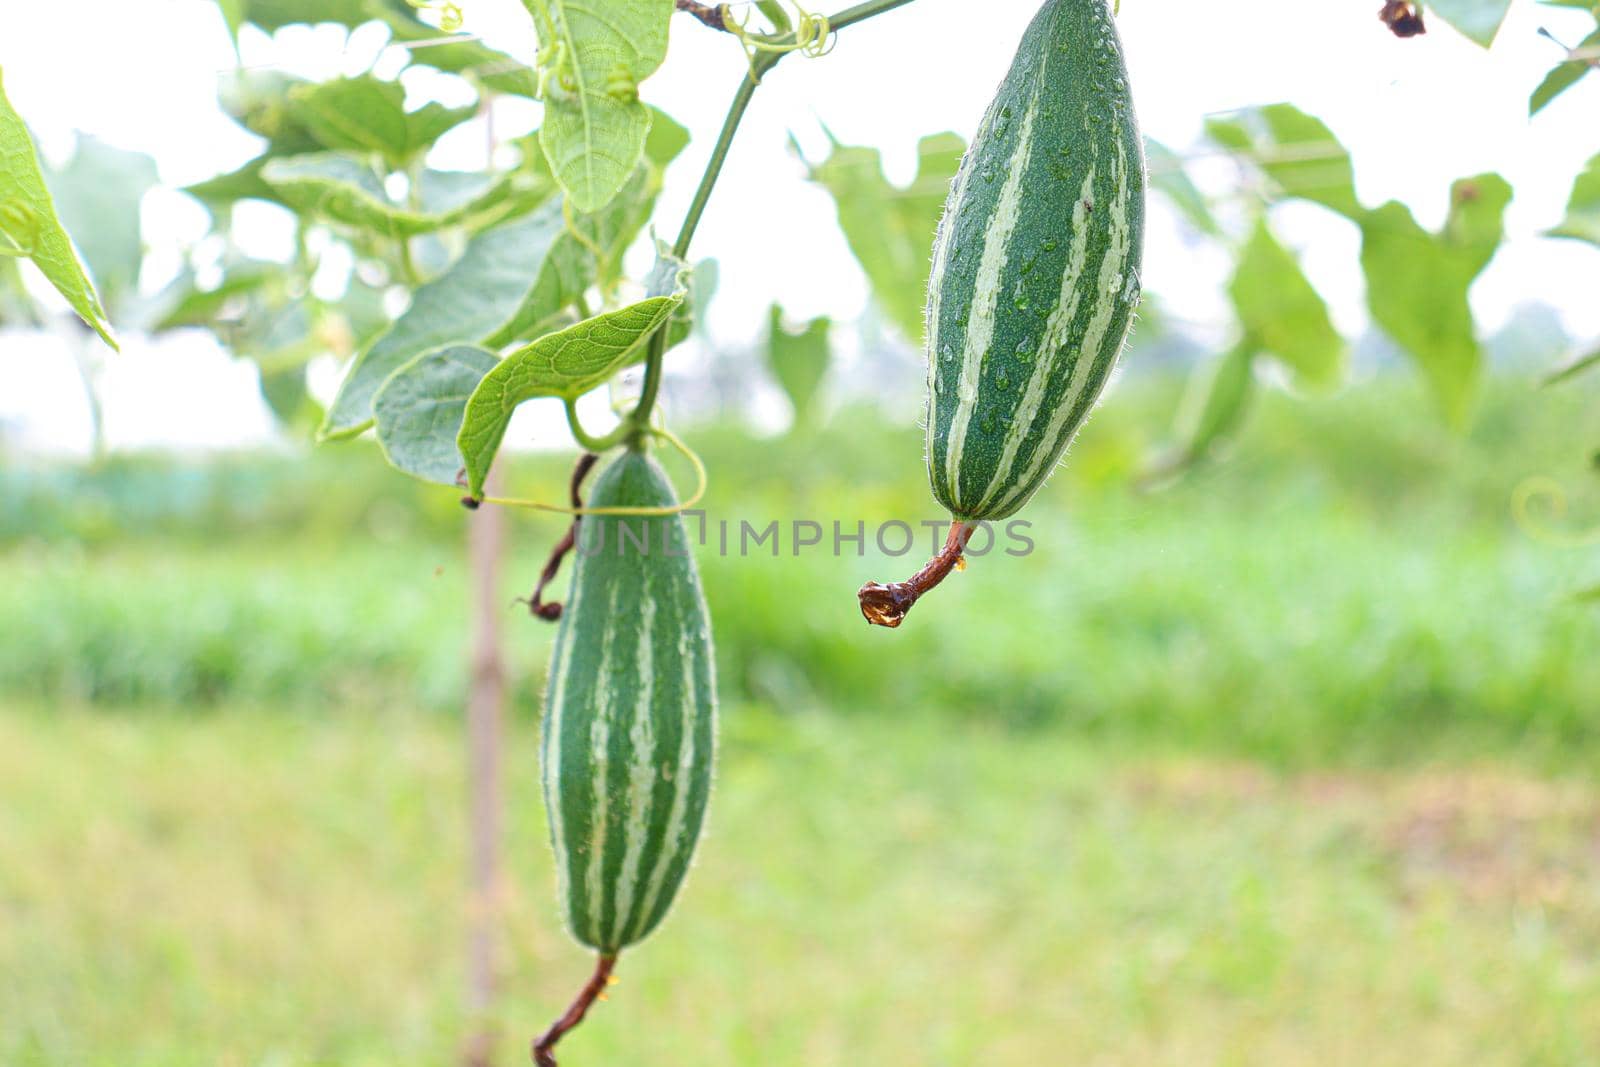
[
  {"x": 710, "y": 14},
  {"x": 537, "y": 606},
  {"x": 593, "y": 990},
  {"x": 887, "y": 605},
  {"x": 1403, "y": 17}
]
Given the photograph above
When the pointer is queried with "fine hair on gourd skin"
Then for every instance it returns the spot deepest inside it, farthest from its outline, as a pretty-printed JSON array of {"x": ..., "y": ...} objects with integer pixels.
[
  {"x": 630, "y": 712},
  {"x": 629, "y": 735},
  {"x": 1034, "y": 280}
]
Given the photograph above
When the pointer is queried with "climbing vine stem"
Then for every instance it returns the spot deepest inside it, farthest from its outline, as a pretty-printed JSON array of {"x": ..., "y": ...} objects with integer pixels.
[
  {"x": 639, "y": 419},
  {"x": 591, "y": 442}
]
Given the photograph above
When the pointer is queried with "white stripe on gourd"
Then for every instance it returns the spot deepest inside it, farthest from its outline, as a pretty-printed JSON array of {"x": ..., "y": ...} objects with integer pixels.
[
  {"x": 600, "y": 765},
  {"x": 641, "y": 773},
  {"x": 1110, "y": 292},
  {"x": 1055, "y": 337},
  {"x": 986, "y": 291},
  {"x": 677, "y": 820}
]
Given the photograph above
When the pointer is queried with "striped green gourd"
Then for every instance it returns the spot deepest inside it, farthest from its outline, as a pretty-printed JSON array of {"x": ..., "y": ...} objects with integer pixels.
[
  {"x": 1036, "y": 265},
  {"x": 630, "y": 714}
]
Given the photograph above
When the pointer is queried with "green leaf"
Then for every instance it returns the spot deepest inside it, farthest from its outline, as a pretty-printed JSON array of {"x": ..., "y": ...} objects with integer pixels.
[
  {"x": 667, "y": 139},
  {"x": 461, "y": 54},
  {"x": 454, "y": 53},
  {"x": 611, "y": 231},
  {"x": 1479, "y": 20},
  {"x": 1281, "y": 311},
  {"x": 671, "y": 276},
  {"x": 1582, "y": 221},
  {"x": 1573, "y": 368},
  {"x": 259, "y": 100},
  {"x": 507, "y": 283},
  {"x": 420, "y": 407},
  {"x": 273, "y": 15},
  {"x": 277, "y": 331},
  {"x": 97, "y": 195},
  {"x": 341, "y": 190},
  {"x": 367, "y": 114},
  {"x": 565, "y": 364},
  {"x": 286, "y": 393},
  {"x": 225, "y": 190},
  {"x": 1564, "y": 75},
  {"x": 798, "y": 360},
  {"x": 596, "y": 55},
  {"x": 1414, "y": 296},
  {"x": 29, "y": 226},
  {"x": 441, "y": 192},
  {"x": 183, "y": 304},
  {"x": 890, "y": 230},
  {"x": 233, "y": 15},
  {"x": 1167, "y": 174},
  {"x": 1216, "y": 402},
  {"x": 1296, "y": 151},
  {"x": 361, "y": 316},
  {"x": 1476, "y": 222},
  {"x": 1417, "y": 285}
]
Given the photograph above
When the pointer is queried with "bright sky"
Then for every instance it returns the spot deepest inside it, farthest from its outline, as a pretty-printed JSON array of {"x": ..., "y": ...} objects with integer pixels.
[{"x": 1416, "y": 114}]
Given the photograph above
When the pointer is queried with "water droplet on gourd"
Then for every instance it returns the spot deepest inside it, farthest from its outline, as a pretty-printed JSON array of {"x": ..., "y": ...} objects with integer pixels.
[{"x": 987, "y": 423}]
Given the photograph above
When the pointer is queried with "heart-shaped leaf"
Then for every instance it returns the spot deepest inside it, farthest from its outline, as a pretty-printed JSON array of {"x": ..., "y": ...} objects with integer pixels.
[{"x": 595, "y": 56}]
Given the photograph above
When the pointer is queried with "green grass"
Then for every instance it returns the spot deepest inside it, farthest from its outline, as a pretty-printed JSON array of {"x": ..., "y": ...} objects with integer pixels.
[
  {"x": 256, "y": 887},
  {"x": 1350, "y": 586}
]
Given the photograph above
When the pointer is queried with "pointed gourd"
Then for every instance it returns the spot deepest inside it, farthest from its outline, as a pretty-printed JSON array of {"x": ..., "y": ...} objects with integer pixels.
[
  {"x": 630, "y": 713},
  {"x": 1036, "y": 265}
]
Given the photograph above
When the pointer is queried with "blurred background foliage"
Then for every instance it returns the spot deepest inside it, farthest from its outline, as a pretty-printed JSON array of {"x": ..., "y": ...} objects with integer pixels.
[
  {"x": 1289, "y": 720},
  {"x": 1353, "y": 581}
]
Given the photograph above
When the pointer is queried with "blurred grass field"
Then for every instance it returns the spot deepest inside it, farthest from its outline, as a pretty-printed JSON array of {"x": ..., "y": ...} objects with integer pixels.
[
  {"x": 253, "y": 887},
  {"x": 1352, "y": 583},
  {"x": 1291, "y": 762}
]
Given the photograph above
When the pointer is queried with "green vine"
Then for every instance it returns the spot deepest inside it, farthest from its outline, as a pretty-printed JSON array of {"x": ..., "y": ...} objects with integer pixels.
[
  {"x": 760, "y": 63},
  {"x": 659, "y": 432},
  {"x": 811, "y": 37}
]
